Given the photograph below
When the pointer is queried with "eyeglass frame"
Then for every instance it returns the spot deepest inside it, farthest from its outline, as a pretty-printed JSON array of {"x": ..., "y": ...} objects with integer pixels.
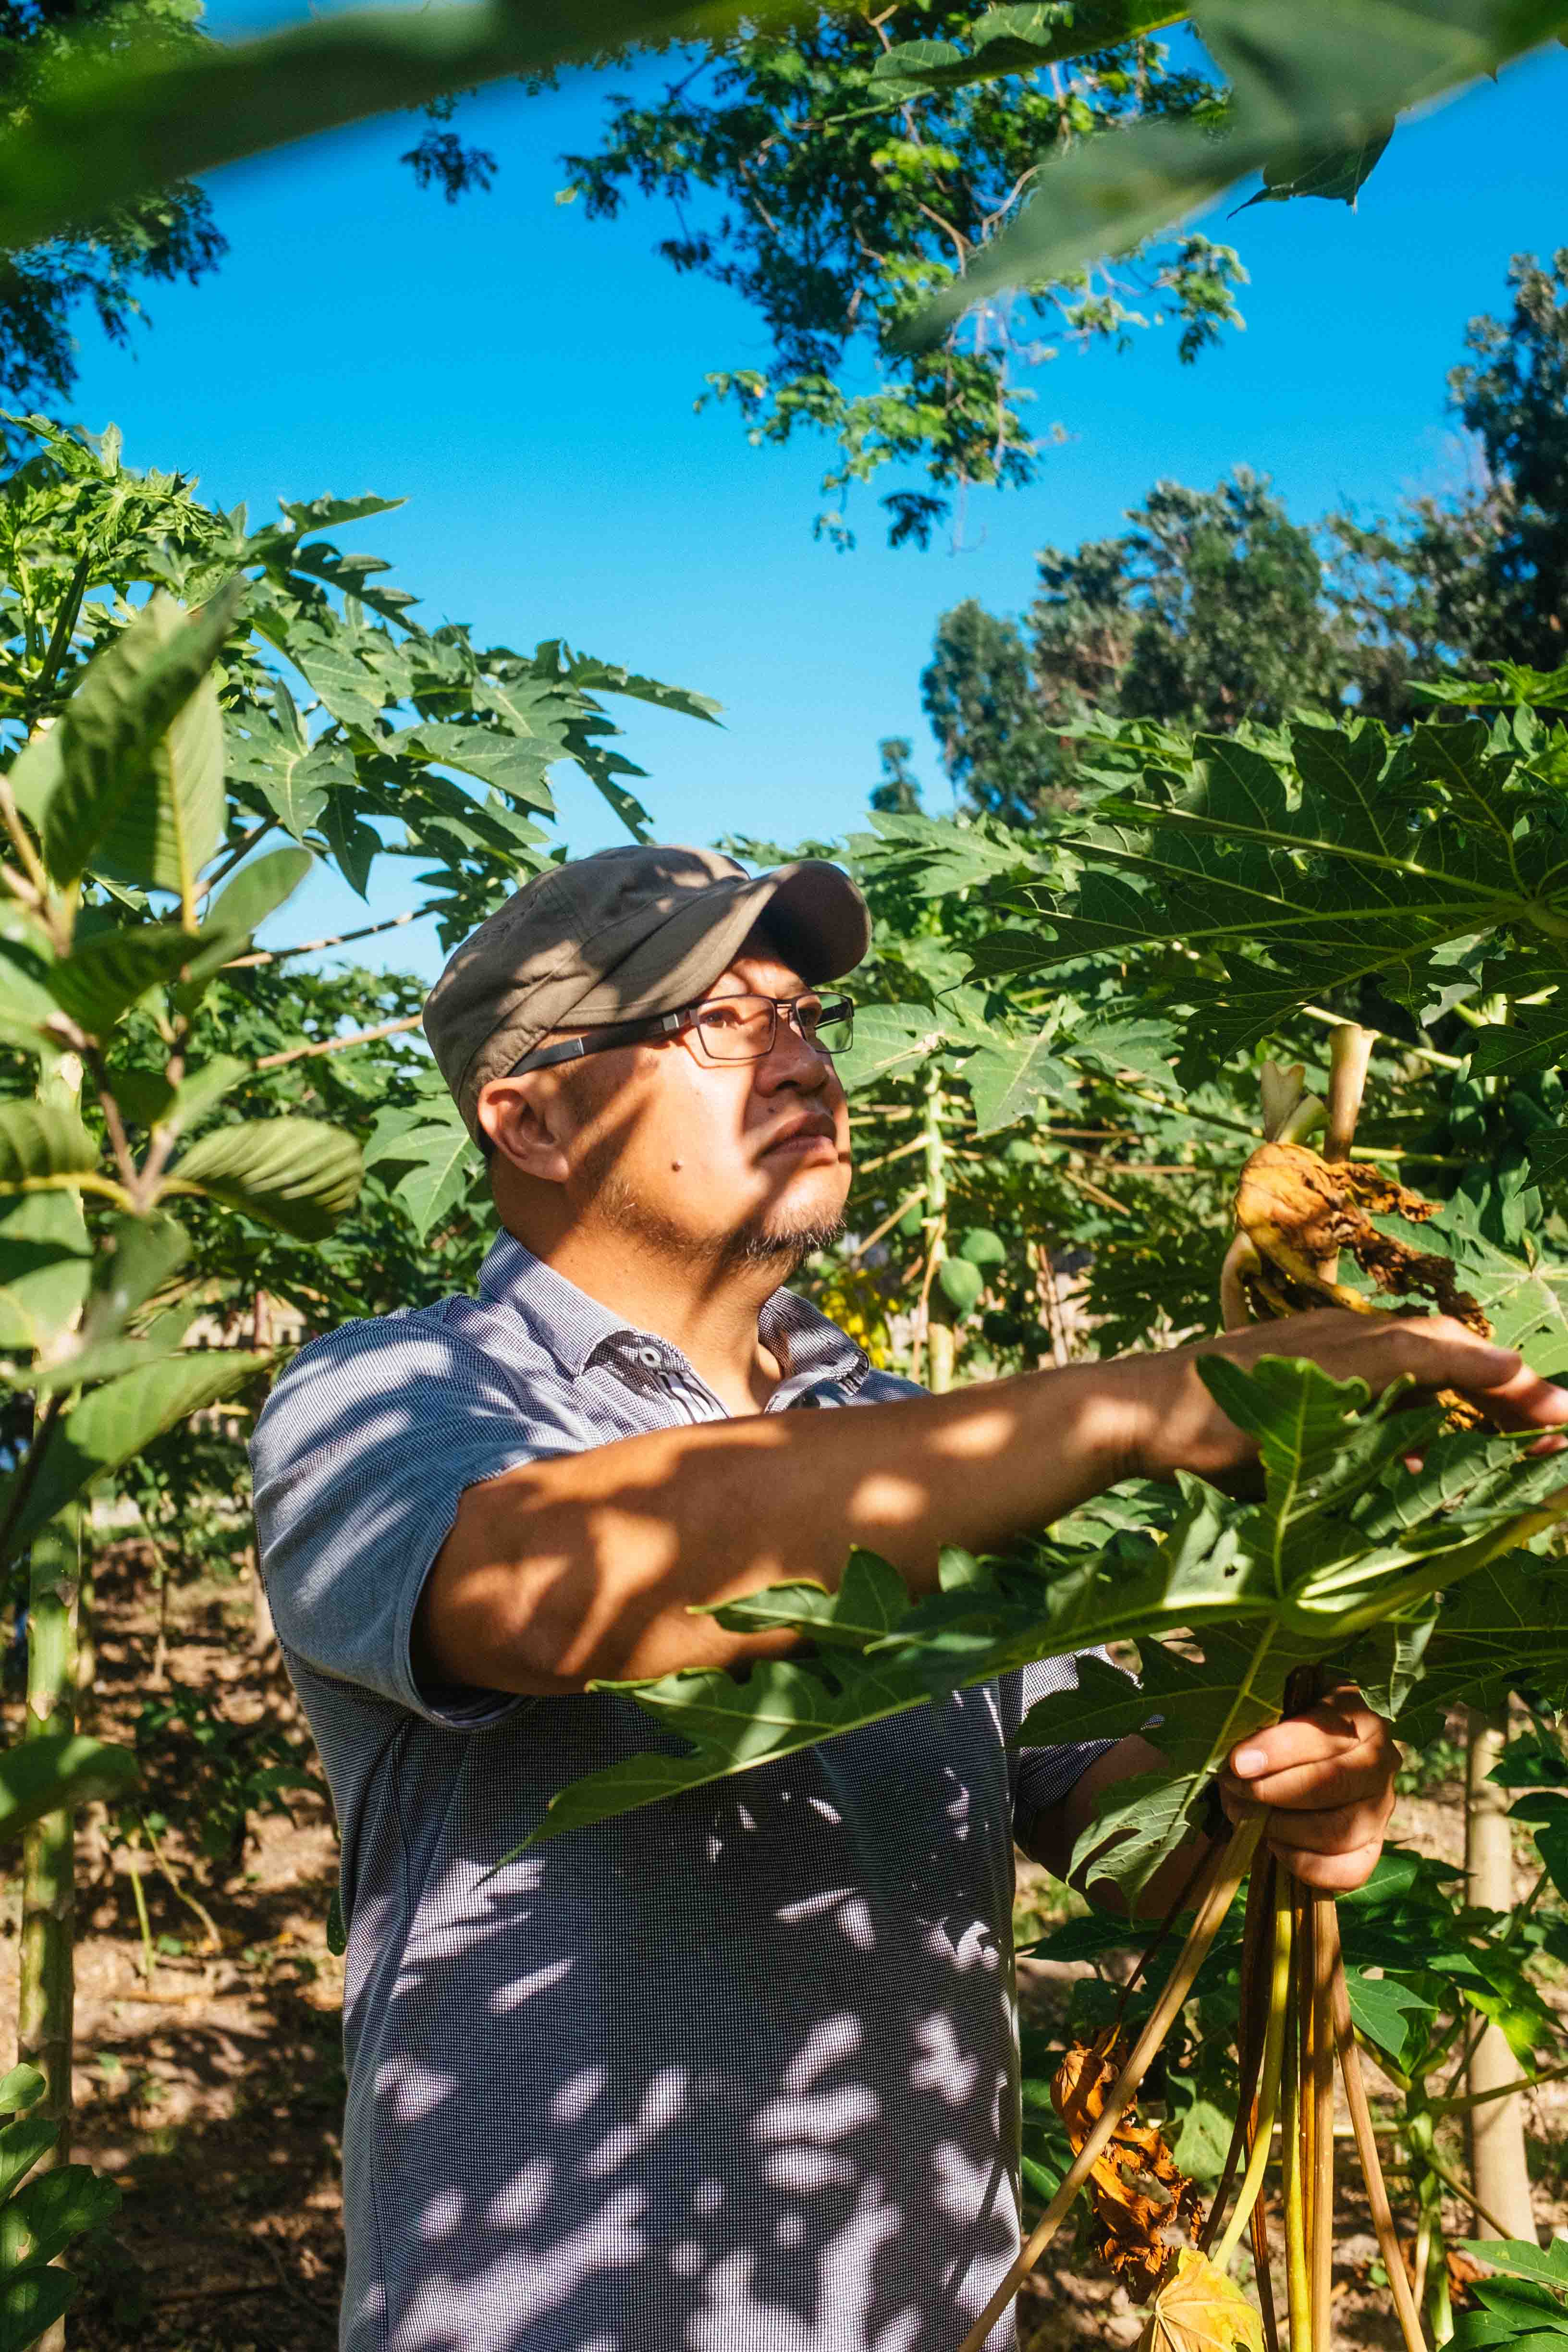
[{"x": 654, "y": 1027}]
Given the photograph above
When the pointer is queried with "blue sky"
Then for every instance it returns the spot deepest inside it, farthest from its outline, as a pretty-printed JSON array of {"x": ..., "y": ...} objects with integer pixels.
[{"x": 525, "y": 378}]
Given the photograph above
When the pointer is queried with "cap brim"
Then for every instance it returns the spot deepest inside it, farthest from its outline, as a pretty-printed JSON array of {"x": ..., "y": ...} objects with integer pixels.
[{"x": 819, "y": 922}]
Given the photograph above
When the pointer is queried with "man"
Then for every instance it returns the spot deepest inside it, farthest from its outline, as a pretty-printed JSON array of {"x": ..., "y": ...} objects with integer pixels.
[{"x": 735, "y": 2072}]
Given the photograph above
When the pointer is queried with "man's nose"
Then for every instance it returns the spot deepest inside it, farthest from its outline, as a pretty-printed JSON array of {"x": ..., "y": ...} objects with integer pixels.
[{"x": 791, "y": 1061}]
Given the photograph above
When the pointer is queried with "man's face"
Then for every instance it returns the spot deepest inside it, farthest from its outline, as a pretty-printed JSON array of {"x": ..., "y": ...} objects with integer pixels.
[{"x": 728, "y": 1161}]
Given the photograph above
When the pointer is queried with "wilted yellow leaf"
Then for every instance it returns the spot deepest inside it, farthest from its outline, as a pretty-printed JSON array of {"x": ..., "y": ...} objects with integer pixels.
[{"x": 1200, "y": 2310}]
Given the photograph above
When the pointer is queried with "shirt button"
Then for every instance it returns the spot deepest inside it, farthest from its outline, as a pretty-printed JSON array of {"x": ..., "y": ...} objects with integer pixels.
[{"x": 650, "y": 1357}]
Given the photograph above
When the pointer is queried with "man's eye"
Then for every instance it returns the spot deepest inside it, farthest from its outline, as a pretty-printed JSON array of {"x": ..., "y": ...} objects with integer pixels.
[{"x": 721, "y": 1017}]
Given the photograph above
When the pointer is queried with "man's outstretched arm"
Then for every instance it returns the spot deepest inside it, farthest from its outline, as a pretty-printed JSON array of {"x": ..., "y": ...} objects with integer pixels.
[{"x": 587, "y": 1565}]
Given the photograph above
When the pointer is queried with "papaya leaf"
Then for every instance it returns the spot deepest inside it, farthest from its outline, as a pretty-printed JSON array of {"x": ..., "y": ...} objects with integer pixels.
[
  {"x": 427, "y": 1156},
  {"x": 890, "y": 1040},
  {"x": 1007, "y": 1081},
  {"x": 1344, "y": 1535}
]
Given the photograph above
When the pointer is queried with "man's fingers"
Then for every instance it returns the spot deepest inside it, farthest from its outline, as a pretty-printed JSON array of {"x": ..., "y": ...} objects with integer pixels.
[
  {"x": 1340, "y": 1733},
  {"x": 1331, "y": 1828},
  {"x": 1308, "y": 1788},
  {"x": 1331, "y": 1873},
  {"x": 1525, "y": 1401}
]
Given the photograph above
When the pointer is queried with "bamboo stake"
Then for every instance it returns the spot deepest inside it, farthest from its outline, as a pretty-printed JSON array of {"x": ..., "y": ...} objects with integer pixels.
[
  {"x": 1226, "y": 1868},
  {"x": 1366, "y": 2138}
]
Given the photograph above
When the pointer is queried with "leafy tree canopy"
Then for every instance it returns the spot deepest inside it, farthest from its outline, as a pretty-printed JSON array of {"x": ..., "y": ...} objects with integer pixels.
[
  {"x": 834, "y": 215},
  {"x": 1215, "y": 610},
  {"x": 155, "y": 235}
]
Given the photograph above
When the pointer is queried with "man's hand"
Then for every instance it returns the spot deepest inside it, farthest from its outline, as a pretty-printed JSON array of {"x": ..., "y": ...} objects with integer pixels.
[
  {"x": 1175, "y": 1424},
  {"x": 1327, "y": 1779}
]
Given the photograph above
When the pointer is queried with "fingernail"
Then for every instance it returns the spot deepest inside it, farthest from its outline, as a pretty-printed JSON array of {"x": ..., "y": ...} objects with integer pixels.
[{"x": 1248, "y": 1760}]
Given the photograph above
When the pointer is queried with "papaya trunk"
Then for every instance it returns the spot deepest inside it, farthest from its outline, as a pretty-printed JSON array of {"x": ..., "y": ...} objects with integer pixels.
[
  {"x": 46, "y": 1976},
  {"x": 1497, "y": 2164}
]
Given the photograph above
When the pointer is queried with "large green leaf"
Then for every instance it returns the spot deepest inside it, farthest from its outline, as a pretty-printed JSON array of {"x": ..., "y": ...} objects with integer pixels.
[
  {"x": 1344, "y": 1535},
  {"x": 102, "y": 130},
  {"x": 31, "y": 2300},
  {"x": 426, "y": 1155},
  {"x": 1339, "y": 855},
  {"x": 109, "y": 1427},
  {"x": 1310, "y": 80},
  {"x": 890, "y": 1040},
  {"x": 46, "y": 1265},
  {"x": 21, "y": 2145},
  {"x": 141, "y": 795},
  {"x": 293, "y": 775},
  {"x": 48, "y": 2211},
  {"x": 515, "y": 768},
  {"x": 42, "y": 1145},
  {"x": 256, "y": 891},
  {"x": 26, "y": 1008},
  {"x": 1018, "y": 39},
  {"x": 1006, "y": 1080},
  {"x": 298, "y": 1174},
  {"x": 41, "y": 1775},
  {"x": 105, "y": 976}
]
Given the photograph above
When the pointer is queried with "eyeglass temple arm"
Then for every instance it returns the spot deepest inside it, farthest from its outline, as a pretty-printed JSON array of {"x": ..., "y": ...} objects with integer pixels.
[{"x": 619, "y": 1033}]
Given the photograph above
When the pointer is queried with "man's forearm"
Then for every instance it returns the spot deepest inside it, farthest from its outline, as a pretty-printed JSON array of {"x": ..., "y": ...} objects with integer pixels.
[
  {"x": 1075, "y": 1814},
  {"x": 586, "y": 1566}
]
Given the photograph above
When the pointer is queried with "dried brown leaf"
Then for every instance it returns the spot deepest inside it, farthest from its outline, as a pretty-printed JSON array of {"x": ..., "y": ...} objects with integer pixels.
[{"x": 1139, "y": 2197}]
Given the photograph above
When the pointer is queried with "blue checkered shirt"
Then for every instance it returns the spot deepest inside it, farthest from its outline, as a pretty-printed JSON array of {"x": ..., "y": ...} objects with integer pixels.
[{"x": 736, "y": 2072}]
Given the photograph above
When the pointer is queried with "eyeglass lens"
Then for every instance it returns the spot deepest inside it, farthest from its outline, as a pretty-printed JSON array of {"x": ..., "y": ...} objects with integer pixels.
[{"x": 742, "y": 1028}]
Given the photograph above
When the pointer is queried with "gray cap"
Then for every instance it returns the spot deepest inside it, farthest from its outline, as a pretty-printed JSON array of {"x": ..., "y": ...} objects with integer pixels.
[{"x": 621, "y": 934}]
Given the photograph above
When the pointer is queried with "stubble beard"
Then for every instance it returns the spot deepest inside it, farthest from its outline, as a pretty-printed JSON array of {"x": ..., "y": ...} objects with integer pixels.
[{"x": 778, "y": 1239}]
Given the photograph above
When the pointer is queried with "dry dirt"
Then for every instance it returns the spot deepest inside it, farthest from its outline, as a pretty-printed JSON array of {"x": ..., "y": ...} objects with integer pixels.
[{"x": 212, "y": 2092}]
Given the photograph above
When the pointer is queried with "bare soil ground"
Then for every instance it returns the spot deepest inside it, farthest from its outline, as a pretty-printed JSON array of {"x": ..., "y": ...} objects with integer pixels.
[{"x": 211, "y": 2091}]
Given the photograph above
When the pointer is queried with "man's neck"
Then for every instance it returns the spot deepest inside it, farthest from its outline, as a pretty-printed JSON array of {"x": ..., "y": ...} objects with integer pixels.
[{"x": 709, "y": 1313}]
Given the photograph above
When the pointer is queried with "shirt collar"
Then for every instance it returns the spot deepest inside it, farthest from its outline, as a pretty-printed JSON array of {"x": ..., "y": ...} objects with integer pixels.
[{"x": 575, "y": 1327}]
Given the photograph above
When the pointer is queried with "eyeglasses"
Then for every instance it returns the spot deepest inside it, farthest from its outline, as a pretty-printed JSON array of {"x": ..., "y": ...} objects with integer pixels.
[{"x": 721, "y": 1029}]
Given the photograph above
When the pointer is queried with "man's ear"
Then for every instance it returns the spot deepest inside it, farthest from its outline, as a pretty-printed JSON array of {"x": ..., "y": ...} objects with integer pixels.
[{"x": 527, "y": 1123}]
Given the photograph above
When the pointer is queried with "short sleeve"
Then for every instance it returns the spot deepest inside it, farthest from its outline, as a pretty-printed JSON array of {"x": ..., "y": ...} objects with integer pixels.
[
  {"x": 359, "y": 1460},
  {"x": 1043, "y": 1776}
]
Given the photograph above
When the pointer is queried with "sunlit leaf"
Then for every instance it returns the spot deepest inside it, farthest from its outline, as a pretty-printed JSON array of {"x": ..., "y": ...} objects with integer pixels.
[{"x": 298, "y": 1174}]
